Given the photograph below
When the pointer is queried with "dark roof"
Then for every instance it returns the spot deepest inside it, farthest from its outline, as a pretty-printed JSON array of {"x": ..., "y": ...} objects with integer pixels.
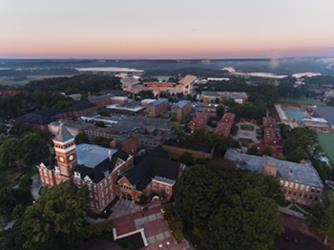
[
  {"x": 78, "y": 105},
  {"x": 121, "y": 155},
  {"x": 46, "y": 116},
  {"x": 50, "y": 163},
  {"x": 149, "y": 167},
  {"x": 187, "y": 145},
  {"x": 98, "y": 173},
  {"x": 38, "y": 117},
  {"x": 63, "y": 134}
]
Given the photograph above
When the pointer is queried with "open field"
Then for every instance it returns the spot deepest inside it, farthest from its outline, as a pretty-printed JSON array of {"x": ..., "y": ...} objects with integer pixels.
[
  {"x": 327, "y": 144},
  {"x": 247, "y": 127},
  {"x": 301, "y": 101}
]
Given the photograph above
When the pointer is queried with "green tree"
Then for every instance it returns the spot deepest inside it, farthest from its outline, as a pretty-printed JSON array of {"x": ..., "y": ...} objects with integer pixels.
[
  {"x": 8, "y": 152},
  {"x": 322, "y": 217},
  {"x": 56, "y": 220},
  {"x": 248, "y": 221},
  {"x": 31, "y": 150},
  {"x": 187, "y": 158},
  {"x": 102, "y": 141},
  {"x": 10, "y": 198},
  {"x": 81, "y": 138},
  {"x": 297, "y": 155},
  {"x": 253, "y": 151},
  {"x": 206, "y": 199},
  {"x": 220, "y": 110},
  {"x": 267, "y": 151}
]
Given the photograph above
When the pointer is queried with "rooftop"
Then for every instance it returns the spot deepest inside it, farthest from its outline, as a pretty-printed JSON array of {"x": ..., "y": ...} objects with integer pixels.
[
  {"x": 181, "y": 104},
  {"x": 63, "y": 135},
  {"x": 158, "y": 102},
  {"x": 130, "y": 106},
  {"x": 127, "y": 124},
  {"x": 327, "y": 113},
  {"x": 92, "y": 155},
  {"x": 303, "y": 173}
]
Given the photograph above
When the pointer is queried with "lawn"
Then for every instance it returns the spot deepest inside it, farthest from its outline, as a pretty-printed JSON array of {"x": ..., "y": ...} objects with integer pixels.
[
  {"x": 245, "y": 141},
  {"x": 301, "y": 101},
  {"x": 327, "y": 144},
  {"x": 247, "y": 127}
]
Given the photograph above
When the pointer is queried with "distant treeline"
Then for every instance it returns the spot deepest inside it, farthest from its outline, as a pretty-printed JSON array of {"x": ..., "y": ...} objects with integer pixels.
[{"x": 76, "y": 84}]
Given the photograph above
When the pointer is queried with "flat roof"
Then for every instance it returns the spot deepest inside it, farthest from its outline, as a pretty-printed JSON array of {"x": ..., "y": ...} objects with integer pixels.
[
  {"x": 91, "y": 155},
  {"x": 130, "y": 106},
  {"x": 290, "y": 171},
  {"x": 159, "y": 102},
  {"x": 182, "y": 104},
  {"x": 126, "y": 123},
  {"x": 327, "y": 113}
]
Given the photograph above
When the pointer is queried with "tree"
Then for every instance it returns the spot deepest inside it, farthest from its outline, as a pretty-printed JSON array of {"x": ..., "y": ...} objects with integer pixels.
[
  {"x": 220, "y": 110},
  {"x": 298, "y": 155},
  {"x": 267, "y": 151},
  {"x": 81, "y": 138},
  {"x": 10, "y": 198},
  {"x": 221, "y": 208},
  {"x": 221, "y": 144},
  {"x": 248, "y": 221},
  {"x": 56, "y": 220},
  {"x": 322, "y": 217},
  {"x": 187, "y": 158},
  {"x": 8, "y": 154},
  {"x": 253, "y": 151},
  {"x": 102, "y": 141},
  {"x": 23, "y": 152},
  {"x": 31, "y": 150}
]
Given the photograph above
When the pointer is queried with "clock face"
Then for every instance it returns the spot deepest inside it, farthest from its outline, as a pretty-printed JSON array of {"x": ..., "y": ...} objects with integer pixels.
[
  {"x": 71, "y": 157},
  {"x": 61, "y": 159}
]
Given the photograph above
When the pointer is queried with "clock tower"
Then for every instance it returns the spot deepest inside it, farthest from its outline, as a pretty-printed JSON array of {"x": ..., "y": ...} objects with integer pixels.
[{"x": 66, "y": 156}]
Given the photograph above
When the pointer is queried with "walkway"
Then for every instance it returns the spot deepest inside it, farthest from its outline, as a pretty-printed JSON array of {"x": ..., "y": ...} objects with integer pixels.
[
  {"x": 35, "y": 187},
  {"x": 124, "y": 207}
]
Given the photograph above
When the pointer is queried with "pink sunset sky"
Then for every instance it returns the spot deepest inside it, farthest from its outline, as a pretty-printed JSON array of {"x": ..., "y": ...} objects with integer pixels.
[{"x": 166, "y": 29}]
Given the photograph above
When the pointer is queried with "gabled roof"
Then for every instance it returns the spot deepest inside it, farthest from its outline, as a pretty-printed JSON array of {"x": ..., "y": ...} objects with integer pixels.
[
  {"x": 63, "y": 134},
  {"x": 152, "y": 166}
]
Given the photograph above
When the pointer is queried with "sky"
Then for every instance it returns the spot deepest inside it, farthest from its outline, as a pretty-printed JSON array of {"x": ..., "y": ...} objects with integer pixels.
[{"x": 166, "y": 28}]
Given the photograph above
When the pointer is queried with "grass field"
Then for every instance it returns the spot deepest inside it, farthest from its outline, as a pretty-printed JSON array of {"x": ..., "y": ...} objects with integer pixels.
[
  {"x": 301, "y": 101},
  {"x": 327, "y": 144},
  {"x": 247, "y": 127}
]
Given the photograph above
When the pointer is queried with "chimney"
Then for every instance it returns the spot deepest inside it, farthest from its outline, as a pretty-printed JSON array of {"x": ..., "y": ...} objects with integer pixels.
[{"x": 109, "y": 154}]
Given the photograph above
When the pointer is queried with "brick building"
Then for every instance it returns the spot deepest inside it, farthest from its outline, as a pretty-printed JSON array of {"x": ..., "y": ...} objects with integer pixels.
[
  {"x": 156, "y": 107},
  {"x": 271, "y": 137},
  {"x": 225, "y": 125},
  {"x": 221, "y": 96},
  {"x": 41, "y": 119},
  {"x": 198, "y": 151},
  {"x": 300, "y": 182},
  {"x": 156, "y": 173},
  {"x": 182, "y": 110},
  {"x": 90, "y": 166},
  {"x": 126, "y": 143},
  {"x": 199, "y": 121},
  {"x": 100, "y": 101}
]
